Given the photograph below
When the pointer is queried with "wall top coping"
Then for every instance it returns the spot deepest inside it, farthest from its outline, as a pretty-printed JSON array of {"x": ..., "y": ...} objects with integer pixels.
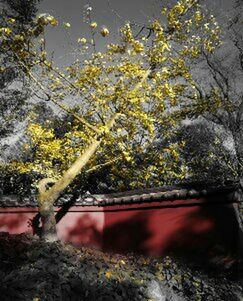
[{"x": 139, "y": 196}]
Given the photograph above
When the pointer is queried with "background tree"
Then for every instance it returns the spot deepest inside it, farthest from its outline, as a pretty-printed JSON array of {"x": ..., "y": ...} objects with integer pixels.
[
  {"x": 206, "y": 152},
  {"x": 15, "y": 91},
  {"x": 219, "y": 91},
  {"x": 219, "y": 102},
  {"x": 14, "y": 88}
]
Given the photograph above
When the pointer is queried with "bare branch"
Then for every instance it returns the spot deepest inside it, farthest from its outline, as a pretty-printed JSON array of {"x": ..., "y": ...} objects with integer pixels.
[
  {"x": 216, "y": 72},
  {"x": 63, "y": 107}
]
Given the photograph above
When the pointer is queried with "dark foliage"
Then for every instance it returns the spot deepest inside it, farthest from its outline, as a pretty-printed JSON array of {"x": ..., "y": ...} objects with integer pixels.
[{"x": 32, "y": 269}]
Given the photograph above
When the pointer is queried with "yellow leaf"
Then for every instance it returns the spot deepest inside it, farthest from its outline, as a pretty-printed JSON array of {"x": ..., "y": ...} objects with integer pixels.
[
  {"x": 104, "y": 32},
  {"x": 93, "y": 25},
  {"x": 122, "y": 262},
  {"x": 108, "y": 275}
]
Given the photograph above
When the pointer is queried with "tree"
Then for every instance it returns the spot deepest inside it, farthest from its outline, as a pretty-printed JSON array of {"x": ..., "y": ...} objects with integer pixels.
[
  {"x": 119, "y": 98},
  {"x": 219, "y": 98},
  {"x": 219, "y": 92},
  {"x": 15, "y": 90},
  {"x": 206, "y": 152}
]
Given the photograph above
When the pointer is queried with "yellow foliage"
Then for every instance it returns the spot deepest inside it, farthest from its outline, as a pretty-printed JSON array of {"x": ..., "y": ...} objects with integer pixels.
[
  {"x": 104, "y": 32},
  {"x": 93, "y": 25},
  {"x": 142, "y": 80},
  {"x": 108, "y": 275}
]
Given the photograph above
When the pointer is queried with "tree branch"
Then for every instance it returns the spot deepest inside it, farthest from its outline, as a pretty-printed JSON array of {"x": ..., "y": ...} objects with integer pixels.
[
  {"x": 96, "y": 167},
  {"x": 54, "y": 192},
  {"x": 53, "y": 100}
]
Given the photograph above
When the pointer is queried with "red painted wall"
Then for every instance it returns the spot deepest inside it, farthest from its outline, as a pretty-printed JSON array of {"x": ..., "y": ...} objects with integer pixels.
[{"x": 183, "y": 226}]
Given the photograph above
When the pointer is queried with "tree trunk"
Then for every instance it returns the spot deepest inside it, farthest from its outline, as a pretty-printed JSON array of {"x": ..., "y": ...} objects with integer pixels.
[
  {"x": 237, "y": 132},
  {"x": 48, "y": 220},
  {"x": 239, "y": 153},
  {"x": 238, "y": 140},
  {"x": 238, "y": 207},
  {"x": 46, "y": 211},
  {"x": 47, "y": 197}
]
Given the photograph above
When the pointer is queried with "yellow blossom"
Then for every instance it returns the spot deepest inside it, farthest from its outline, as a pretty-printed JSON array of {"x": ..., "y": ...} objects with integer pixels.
[
  {"x": 66, "y": 25},
  {"x": 104, "y": 32},
  {"x": 93, "y": 25},
  {"x": 82, "y": 40}
]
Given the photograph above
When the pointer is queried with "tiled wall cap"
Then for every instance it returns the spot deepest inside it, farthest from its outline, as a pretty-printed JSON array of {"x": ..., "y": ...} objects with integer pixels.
[{"x": 128, "y": 197}]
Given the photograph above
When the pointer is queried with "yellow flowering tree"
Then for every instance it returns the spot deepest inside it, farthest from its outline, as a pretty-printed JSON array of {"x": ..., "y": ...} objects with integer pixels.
[{"x": 119, "y": 99}]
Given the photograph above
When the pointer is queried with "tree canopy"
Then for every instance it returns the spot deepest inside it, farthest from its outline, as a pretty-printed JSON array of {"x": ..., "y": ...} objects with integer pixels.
[
  {"x": 131, "y": 87},
  {"x": 220, "y": 97},
  {"x": 16, "y": 17}
]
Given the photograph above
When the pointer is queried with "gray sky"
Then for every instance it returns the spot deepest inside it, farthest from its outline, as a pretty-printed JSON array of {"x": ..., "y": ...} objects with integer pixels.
[
  {"x": 72, "y": 11},
  {"x": 60, "y": 40}
]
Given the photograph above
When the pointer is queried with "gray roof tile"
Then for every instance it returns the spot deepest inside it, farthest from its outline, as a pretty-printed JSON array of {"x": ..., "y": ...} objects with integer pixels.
[{"x": 128, "y": 197}]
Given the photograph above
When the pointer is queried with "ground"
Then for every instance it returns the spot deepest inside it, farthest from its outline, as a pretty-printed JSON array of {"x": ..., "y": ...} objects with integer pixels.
[{"x": 34, "y": 270}]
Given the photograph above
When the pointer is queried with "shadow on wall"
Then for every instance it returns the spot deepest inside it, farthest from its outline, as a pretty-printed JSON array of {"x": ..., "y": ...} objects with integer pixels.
[
  {"x": 126, "y": 231},
  {"x": 15, "y": 223},
  {"x": 84, "y": 232},
  {"x": 211, "y": 230},
  {"x": 207, "y": 229}
]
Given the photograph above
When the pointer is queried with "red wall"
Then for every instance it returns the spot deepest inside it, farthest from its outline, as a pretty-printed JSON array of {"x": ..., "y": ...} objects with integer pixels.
[{"x": 151, "y": 229}]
